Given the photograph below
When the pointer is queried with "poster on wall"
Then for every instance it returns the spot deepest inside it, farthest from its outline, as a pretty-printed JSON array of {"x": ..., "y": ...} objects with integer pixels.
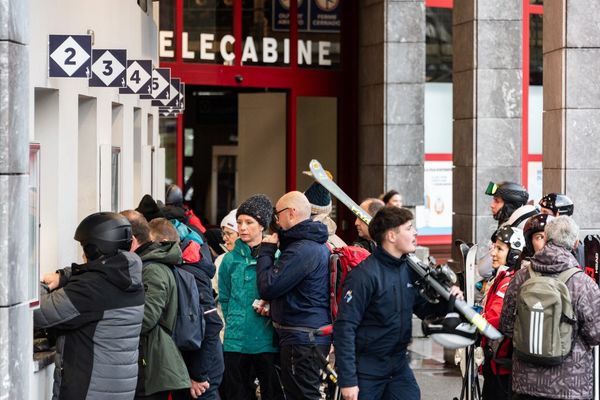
[
  {"x": 313, "y": 15},
  {"x": 534, "y": 181},
  {"x": 324, "y": 16},
  {"x": 281, "y": 15},
  {"x": 434, "y": 218}
]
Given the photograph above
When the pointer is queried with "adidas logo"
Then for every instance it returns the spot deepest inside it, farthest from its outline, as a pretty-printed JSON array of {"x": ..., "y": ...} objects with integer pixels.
[{"x": 538, "y": 306}]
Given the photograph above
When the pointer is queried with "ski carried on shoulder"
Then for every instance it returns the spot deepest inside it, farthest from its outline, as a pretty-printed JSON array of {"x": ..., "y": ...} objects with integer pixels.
[
  {"x": 591, "y": 250},
  {"x": 422, "y": 270}
]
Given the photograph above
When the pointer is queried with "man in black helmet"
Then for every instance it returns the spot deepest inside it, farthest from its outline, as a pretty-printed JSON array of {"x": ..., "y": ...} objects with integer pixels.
[
  {"x": 556, "y": 204},
  {"x": 507, "y": 197},
  {"x": 97, "y": 309}
]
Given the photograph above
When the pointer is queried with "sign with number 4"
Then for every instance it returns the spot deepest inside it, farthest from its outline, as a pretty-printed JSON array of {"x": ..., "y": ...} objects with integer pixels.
[
  {"x": 69, "y": 56},
  {"x": 108, "y": 68},
  {"x": 139, "y": 77}
]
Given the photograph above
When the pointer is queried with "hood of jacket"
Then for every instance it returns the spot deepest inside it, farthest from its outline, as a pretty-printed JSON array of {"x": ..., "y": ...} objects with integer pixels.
[
  {"x": 327, "y": 221},
  {"x": 174, "y": 212},
  {"x": 123, "y": 270},
  {"x": 553, "y": 259},
  {"x": 192, "y": 257},
  {"x": 167, "y": 253},
  {"x": 307, "y": 230}
]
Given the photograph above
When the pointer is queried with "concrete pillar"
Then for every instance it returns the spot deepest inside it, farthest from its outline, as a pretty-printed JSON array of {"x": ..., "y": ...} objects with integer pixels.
[
  {"x": 486, "y": 107},
  {"x": 15, "y": 325},
  {"x": 391, "y": 98},
  {"x": 572, "y": 106}
]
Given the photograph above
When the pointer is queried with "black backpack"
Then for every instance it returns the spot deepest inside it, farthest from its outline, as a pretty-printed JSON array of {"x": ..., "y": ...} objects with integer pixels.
[{"x": 189, "y": 325}]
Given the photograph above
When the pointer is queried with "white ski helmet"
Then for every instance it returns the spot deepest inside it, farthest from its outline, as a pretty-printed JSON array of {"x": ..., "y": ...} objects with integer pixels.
[{"x": 450, "y": 331}]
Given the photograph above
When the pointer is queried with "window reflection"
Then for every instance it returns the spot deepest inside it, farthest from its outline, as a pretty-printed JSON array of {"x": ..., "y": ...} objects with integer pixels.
[
  {"x": 536, "y": 56},
  {"x": 439, "y": 44}
]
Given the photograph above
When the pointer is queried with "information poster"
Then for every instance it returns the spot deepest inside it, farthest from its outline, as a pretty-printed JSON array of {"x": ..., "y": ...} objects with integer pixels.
[
  {"x": 313, "y": 15},
  {"x": 281, "y": 15},
  {"x": 435, "y": 216}
]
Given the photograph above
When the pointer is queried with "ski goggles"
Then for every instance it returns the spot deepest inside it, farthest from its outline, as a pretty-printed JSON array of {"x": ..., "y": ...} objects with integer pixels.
[{"x": 491, "y": 189}]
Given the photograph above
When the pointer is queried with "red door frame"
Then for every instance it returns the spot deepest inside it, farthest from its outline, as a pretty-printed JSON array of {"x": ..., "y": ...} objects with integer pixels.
[{"x": 294, "y": 80}]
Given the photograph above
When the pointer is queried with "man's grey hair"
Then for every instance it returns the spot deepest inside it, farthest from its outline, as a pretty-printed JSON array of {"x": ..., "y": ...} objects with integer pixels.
[{"x": 562, "y": 231}]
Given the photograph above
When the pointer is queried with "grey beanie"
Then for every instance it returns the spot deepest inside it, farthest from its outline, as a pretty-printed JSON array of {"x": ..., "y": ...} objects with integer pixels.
[{"x": 258, "y": 207}]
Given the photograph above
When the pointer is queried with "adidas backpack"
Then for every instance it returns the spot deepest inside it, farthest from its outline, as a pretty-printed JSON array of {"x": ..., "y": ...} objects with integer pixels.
[
  {"x": 189, "y": 325},
  {"x": 544, "y": 320},
  {"x": 341, "y": 261}
]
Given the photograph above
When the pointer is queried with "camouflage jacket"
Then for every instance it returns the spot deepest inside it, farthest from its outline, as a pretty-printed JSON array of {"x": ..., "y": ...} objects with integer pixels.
[{"x": 574, "y": 377}]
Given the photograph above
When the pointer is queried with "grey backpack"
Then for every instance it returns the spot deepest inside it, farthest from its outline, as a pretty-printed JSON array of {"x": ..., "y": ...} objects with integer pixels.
[{"x": 544, "y": 319}]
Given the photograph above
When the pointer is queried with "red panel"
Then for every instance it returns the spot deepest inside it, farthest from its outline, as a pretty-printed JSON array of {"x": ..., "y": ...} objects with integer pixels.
[
  {"x": 438, "y": 157},
  {"x": 305, "y": 81},
  {"x": 439, "y": 3},
  {"x": 291, "y": 142},
  {"x": 525, "y": 97},
  {"x": 434, "y": 239},
  {"x": 179, "y": 150}
]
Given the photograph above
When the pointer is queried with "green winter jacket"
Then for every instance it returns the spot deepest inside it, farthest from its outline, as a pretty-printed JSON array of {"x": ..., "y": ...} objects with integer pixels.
[
  {"x": 162, "y": 366},
  {"x": 246, "y": 331}
]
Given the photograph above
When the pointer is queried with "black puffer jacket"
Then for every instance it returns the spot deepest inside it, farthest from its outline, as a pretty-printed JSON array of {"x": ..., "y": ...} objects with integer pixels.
[
  {"x": 574, "y": 377},
  {"x": 98, "y": 314}
]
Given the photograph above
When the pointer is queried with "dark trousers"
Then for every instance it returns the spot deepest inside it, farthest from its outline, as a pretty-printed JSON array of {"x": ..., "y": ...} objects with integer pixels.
[
  {"x": 211, "y": 394},
  {"x": 400, "y": 385},
  {"x": 301, "y": 371},
  {"x": 154, "y": 396},
  {"x": 242, "y": 369},
  {"x": 495, "y": 387}
]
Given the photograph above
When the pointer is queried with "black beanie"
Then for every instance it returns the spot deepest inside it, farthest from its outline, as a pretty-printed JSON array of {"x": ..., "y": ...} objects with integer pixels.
[
  {"x": 319, "y": 198},
  {"x": 258, "y": 207},
  {"x": 149, "y": 208}
]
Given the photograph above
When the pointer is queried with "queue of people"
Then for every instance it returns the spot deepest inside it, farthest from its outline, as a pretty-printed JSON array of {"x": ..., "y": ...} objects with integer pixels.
[{"x": 268, "y": 286}]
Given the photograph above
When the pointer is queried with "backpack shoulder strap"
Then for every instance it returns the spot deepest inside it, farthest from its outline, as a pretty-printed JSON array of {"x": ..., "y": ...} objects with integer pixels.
[
  {"x": 567, "y": 274},
  {"x": 532, "y": 273}
]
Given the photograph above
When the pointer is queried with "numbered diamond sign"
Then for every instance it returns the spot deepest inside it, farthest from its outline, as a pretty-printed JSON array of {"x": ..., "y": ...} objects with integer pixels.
[
  {"x": 108, "y": 68},
  {"x": 139, "y": 77},
  {"x": 69, "y": 56},
  {"x": 182, "y": 96},
  {"x": 160, "y": 85},
  {"x": 173, "y": 100}
]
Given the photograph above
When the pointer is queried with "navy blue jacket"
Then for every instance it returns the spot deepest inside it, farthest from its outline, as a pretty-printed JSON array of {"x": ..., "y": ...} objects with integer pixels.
[
  {"x": 206, "y": 364},
  {"x": 374, "y": 324},
  {"x": 297, "y": 284}
]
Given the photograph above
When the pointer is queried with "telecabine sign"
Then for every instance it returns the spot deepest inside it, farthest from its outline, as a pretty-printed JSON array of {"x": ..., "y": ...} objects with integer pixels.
[{"x": 270, "y": 54}]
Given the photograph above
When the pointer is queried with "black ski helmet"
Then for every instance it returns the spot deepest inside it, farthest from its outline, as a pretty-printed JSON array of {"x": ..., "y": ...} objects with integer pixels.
[
  {"x": 558, "y": 203},
  {"x": 173, "y": 195},
  {"x": 103, "y": 234},
  {"x": 513, "y": 194},
  {"x": 513, "y": 238},
  {"x": 535, "y": 224}
]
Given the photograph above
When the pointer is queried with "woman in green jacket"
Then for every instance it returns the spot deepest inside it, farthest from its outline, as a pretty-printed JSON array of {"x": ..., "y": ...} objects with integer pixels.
[{"x": 248, "y": 347}]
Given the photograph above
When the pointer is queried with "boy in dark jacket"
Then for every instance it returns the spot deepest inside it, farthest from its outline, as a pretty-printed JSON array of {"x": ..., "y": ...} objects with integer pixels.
[
  {"x": 297, "y": 286},
  {"x": 373, "y": 327},
  {"x": 205, "y": 366}
]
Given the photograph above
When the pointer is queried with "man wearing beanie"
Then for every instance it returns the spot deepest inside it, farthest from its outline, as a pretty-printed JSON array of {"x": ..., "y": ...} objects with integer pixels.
[
  {"x": 297, "y": 286},
  {"x": 248, "y": 346},
  {"x": 320, "y": 208}
]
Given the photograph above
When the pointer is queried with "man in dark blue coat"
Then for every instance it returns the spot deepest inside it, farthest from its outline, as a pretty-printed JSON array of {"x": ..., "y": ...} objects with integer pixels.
[
  {"x": 373, "y": 327},
  {"x": 297, "y": 287}
]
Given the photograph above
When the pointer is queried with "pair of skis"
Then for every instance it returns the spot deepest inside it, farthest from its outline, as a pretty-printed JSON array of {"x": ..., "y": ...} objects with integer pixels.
[
  {"x": 591, "y": 250},
  {"x": 422, "y": 270}
]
